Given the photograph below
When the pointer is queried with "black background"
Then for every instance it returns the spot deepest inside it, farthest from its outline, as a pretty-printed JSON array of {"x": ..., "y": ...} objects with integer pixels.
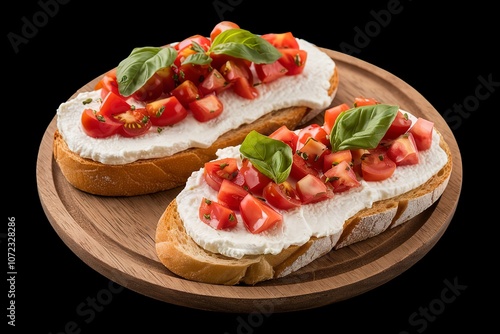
[{"x": 440, "y": 51}]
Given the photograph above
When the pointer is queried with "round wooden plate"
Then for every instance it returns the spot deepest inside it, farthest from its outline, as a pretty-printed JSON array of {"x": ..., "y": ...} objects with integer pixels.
[{"x": 115, "y": 236}]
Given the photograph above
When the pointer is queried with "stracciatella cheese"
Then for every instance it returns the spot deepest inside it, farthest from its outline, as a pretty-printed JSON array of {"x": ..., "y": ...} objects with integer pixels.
[
  {"x": 321, "y": 219},
  {"x": 309, "y": 89}
]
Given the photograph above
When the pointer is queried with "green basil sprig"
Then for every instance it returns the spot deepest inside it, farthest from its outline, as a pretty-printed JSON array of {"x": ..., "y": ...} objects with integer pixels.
[
  {"x": 271, "y": 157},
  {"x": 362, "y": 127},
  {"x": 238, "y": 43},
  {"x": 135, "y": 70}
]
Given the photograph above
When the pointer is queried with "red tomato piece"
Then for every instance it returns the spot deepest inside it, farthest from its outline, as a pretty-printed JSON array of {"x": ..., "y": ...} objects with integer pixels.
[
  {"x": 294, "y": 60},
  {"x": 216, "y": 215},
  {"x": 134, "y": 122},
  {"x": 108, "y": 83},
  {"x": 403, "y": 150},
  {"x": 151, "y": 90},
  {"x": 187, "y": 42},
  {"x": 399, "y": 126},
  {"x": 315, "y": 131},
  {"x": 214, "y": 82},
  {"x": 270, "y": 72},
  {"x": 255, "y": 181},
  {"x": 217, "y": 170},
  {"x": 334, "y": 158},
  {"x": 313, "y": 152},
  {"x": 222, "y": 26},
  {"x": 311, "y": 189},
  {"x": 286, "y": 135},
  {"x": 342, "y": 177},
  {"x": 186, "y": 92},
  {"x": 167, "y": 111},
  {"x": 113, "y": 104},
  {"x": 422, "y": 133},
  {"x": 206, "y": 108},
  {"x": 230, "y": 194},
  {"x": 239, "y": 74},
  {"x": 97, "y": 125},
  {"x": 331, "y": 115},
  {"x": 258, "y": 216},
  {"x": 376, "y": 166},
  {"x": 364, "y": 101},
  {"x": 169, "y": 78},
  {"x": 281, "y": 195},
  {"x": 284, "y": 40},
  {"x": 300, "y": 168}
]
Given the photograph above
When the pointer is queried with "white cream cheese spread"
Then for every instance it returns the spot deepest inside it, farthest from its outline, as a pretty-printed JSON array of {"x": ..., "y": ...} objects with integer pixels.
[
  {"x": 309, "y": 89},
  {"x": 321, "y": 219}
]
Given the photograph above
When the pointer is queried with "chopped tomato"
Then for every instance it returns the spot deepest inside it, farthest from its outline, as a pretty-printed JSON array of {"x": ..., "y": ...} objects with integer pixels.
[
  {"x": 187, "y": 42},
  {"x": 113, "y": 104},
  {"x": 300, "y": 168},
  {"x": 186, "y": 93},
  {"x": 168, "y": 77},
  {"x": 193, "y": 72},
  {"x": 342, "y": 177},
  {"x": 216, "y": 215},
  {"x": 331, "y": 115},
  {"x": 376, "y": 166},
  {"x": 239, "y": 74},
  {"x": 135, "y": 122},
  {"x": 334, "y": 158},
  {"x": 255, "y": 181},
  {"x": 214, "y": 82},
  {"x": 108, "y": 83},
  {"x": 403, "y": 150},
  {"x": 97, "y": 125},
  {"x": 364, "y": 101},
  {"x": 286, "y": 135},
  {"x": 399, "y": 126},
  {"x": 151, "y": 90},
  {"x": 206, "y": 108},
  {"x": 422, "y": 133},
  {"x": 166, "y": 111},
  {"x": 312, "y": 189},
  {"x": 230, "y": 194},
  {"x": 258, "y": 216},
  {"x": 294, "y": 60},
  {"x": 270, "y": 72},
  {"x": 315, "y": 131},
  {"x": 217, "y": 170},
  {"x": 284, "y": 40},
  {"x": 313, "y": 152},
  {"x": 281, "y": 195},
  {"x": 222, "y": 26}
]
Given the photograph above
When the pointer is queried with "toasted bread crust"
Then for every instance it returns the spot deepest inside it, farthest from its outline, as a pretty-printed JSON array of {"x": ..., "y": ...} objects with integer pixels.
[
  {"x": 158, "y": 174},
  {"x": 181, "y": 255}
]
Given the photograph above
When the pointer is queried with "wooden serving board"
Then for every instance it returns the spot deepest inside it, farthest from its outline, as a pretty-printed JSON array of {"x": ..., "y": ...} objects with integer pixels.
[{"x": 115, "y": 236}]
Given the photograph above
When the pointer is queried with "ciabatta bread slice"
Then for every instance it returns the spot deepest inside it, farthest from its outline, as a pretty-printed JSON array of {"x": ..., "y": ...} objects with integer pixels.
[{"x": 182, "y": 256}]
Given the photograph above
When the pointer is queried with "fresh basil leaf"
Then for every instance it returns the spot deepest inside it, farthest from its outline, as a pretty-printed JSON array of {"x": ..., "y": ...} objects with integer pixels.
[
  {"x": 135, "y": 70},
  {"x": 362, "y": 127},
  {"x": 271, "y": 157},
  {"x": 197, "y": 59},
  {"x": 242, "y": 43}
]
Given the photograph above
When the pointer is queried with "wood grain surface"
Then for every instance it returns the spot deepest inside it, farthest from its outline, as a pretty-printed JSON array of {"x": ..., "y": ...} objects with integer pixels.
[{"x": 115, "y": 236}]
